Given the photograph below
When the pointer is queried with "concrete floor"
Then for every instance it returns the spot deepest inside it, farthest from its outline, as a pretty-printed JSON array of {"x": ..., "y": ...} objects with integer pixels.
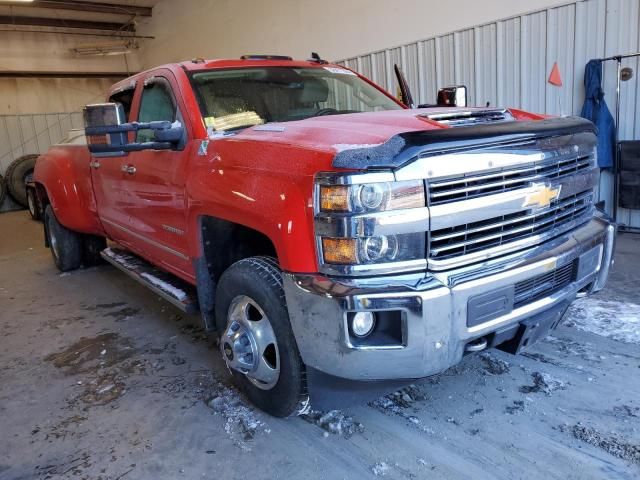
[{"x": 100, "y": 379}]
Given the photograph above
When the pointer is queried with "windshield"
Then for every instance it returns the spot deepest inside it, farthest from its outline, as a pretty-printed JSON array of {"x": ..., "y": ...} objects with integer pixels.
[{"x": 244, "y": 97}]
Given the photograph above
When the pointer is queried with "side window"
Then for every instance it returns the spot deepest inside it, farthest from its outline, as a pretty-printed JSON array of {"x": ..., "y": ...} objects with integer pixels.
[
  {"x": 125, "y": 97},
  {"x": 157, "y": 103}
]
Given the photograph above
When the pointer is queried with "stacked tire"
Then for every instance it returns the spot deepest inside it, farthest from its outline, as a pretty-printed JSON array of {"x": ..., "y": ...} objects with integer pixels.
[
  {"x": 20, "y": 172},
  {"x": 3, "y": 190}
]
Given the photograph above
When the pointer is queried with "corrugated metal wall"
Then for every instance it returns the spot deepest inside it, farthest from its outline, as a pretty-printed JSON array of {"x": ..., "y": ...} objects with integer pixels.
[
  {"x": 25, "y": 134},
  {"x": 507, "y": 63}
]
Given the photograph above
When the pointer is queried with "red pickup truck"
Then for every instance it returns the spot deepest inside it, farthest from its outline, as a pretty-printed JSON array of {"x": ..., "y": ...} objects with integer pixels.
[{"x": 317, "y": 222}]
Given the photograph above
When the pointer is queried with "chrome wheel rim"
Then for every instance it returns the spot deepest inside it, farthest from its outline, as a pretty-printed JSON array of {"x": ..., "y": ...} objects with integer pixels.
[
  {"x": 53, "y": 241},
  {"x": 31, "y": 203},
  {"x": 248, "y": 343}
]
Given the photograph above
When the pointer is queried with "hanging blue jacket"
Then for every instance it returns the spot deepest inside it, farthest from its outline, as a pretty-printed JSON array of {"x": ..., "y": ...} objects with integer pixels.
[{"x": 596, "y": 110}]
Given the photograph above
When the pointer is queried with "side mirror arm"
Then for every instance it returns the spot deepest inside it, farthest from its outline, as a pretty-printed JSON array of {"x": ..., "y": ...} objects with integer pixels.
[
  {"x": 128, "y": 127},
  {"x": 130, "y": 147},
  {"x": 168, "y": 136}
]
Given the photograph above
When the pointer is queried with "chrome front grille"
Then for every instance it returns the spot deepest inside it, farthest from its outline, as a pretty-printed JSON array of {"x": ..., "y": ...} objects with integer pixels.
[
  {"x": 468, "y": 238},
  {"x": 510, "y": 178},
  {"x": 535, "y": 288}
]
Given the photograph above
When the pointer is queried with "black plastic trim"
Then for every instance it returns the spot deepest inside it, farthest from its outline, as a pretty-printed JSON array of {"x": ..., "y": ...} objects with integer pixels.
[{"x": 405, "y": 147}]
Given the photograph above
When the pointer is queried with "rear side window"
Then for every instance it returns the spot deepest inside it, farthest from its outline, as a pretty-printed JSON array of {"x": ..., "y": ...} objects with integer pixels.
[
  {"x": 125, "y": 97},
  {"x": 157, "y": 104}
]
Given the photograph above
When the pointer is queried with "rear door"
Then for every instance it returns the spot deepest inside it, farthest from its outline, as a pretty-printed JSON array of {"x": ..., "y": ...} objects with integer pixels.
[{"x": 109, "y": 184}]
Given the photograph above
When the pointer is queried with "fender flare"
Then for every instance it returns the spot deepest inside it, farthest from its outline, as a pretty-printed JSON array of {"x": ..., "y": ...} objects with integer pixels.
[{"x": 65, "y": 176}]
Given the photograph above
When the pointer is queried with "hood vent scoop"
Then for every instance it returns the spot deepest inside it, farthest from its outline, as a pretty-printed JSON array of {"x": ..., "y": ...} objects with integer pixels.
[{"x": 465, "y": 118}]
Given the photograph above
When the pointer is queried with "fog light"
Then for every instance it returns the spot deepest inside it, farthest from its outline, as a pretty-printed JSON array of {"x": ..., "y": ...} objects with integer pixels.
[{"x": 362, "y": 324}]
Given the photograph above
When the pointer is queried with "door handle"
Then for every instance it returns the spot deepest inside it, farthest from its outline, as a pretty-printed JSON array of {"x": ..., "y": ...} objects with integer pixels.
[
  {"x": 95, "y": 165},
  {"x": 128, "y": 169}
]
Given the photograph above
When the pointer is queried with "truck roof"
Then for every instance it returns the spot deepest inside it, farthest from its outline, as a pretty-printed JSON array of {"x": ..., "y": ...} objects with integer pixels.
[
  {"x": 250, "y": 61},
  {"x": 199, "y": 64}
]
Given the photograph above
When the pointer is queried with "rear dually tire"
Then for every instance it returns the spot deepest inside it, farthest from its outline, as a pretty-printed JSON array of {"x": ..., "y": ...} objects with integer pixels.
[{"x": 65, "y": 244}]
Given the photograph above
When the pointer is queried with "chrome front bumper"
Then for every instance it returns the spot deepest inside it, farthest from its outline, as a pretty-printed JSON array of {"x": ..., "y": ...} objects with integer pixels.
[{"x": 433, "y": 307}]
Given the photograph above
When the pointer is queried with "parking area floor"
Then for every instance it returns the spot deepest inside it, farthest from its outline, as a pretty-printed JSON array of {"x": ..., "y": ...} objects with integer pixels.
[{"x": 101, "y": 379}]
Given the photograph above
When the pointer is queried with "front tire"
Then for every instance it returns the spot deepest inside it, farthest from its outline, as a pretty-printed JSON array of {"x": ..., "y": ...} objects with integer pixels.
[
  {"x": 65, "y": 244},
  {"x": 256, "y": 340}
]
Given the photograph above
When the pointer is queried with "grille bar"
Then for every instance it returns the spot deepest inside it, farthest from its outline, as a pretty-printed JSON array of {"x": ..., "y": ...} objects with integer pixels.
[
  {"x": 466, "y": 187},
  {"x": 535, "y": 288},
  {"x": 509, "y": 184},
  {"x": 571, "y": 205},
  {"x": 464, "y": 239},
  {"x": 512, "y": 171}
]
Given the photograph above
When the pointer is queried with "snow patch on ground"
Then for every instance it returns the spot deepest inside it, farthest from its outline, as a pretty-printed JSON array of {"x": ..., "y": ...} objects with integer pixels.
[
  {"x": 545, "y": 383},
  {"x": 241, "y": 422},
  {"x": 380, "y": 469},
  {"x": 608, "y": 318},
  {"x": 167, "y": 287},
  {"x": 612, "y": 444},
  {"x": 335, "y": 422},
  {"x": 493, "y": 365},
  {"x": 400, "y": 402}
]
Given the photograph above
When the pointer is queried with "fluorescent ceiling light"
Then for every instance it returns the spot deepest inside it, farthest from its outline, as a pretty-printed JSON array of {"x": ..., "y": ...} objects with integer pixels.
[{"x": 105, "y": 49}]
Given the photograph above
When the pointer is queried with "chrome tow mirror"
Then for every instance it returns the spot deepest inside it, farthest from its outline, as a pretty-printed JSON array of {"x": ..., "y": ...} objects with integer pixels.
[
  {"x": 455, "y": 96},
  {"x": 108, "y": 133}
]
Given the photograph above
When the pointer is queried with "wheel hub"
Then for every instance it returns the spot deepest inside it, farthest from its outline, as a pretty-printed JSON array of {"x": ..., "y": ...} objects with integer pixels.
[
  {"x": 249, "y": 344},
  {"x": 239, "y": 348}
]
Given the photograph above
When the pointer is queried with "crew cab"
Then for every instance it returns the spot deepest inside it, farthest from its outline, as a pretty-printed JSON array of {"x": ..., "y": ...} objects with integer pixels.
[{"x": 317, "y": 222}]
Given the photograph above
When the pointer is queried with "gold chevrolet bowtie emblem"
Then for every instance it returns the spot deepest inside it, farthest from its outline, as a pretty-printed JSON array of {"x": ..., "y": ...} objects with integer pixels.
[{"x": 542, "y": 195}]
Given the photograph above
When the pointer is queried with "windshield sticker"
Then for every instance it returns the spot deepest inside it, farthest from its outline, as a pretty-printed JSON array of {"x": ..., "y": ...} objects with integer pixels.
[
  {"x": 341, "y": 71},
  {"x": 202, "y": 150}
]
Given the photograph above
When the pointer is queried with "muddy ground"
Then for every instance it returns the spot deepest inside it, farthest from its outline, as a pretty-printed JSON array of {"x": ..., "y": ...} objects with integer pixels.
[{"x": 100, "y": 379}]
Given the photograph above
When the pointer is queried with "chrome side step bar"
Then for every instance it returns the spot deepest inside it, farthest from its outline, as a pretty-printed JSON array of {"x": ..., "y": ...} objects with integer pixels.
[{"x": 172, "y": 289}]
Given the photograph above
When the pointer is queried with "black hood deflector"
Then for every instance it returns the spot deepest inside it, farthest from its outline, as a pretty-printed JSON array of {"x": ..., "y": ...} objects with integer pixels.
[{"x": 405, "y": 147}]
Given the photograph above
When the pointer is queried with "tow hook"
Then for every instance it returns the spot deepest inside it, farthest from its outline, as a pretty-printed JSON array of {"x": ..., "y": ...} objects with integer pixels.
[{"x": 476, "y": 345}]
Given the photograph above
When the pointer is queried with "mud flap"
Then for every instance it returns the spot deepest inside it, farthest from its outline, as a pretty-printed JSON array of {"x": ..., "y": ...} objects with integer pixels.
[{"x": 206, "y": 289}]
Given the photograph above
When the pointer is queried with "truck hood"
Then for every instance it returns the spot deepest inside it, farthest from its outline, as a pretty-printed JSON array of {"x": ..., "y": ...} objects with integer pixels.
[
  {"x": 335, "y": 133},
  {"x": 390, "y": 139}
]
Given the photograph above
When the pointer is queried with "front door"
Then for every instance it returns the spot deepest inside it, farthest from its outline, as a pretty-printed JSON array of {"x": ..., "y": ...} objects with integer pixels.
[{"x": 154, "y": 182}]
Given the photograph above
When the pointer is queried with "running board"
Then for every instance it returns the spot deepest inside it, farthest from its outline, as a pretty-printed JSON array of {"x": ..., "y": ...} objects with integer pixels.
[{"x": 168, "y": 286}]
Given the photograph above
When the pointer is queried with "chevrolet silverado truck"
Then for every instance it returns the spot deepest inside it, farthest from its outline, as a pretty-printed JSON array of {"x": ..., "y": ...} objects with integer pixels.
[{"x": 315, "y": 221}]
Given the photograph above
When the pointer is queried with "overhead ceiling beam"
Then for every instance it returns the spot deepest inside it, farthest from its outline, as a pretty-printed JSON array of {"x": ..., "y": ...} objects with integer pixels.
[
  {"x": 113, "y": 36},
  {"x": 83, "y": 6},
  {"x": 31, "y": 74},
  {"x": 61, "y": 23}
]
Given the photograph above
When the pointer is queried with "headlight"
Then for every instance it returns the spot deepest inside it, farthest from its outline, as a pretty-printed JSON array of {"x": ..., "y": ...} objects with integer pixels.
[
  {"x": 372, "y": 250},
  {"x": 371, "y": 197},
  {"x": 369, "y": 223}
]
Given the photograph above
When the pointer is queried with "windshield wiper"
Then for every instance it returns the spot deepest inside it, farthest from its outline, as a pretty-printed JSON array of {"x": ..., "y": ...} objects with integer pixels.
[{"x": 332, "y": 111}]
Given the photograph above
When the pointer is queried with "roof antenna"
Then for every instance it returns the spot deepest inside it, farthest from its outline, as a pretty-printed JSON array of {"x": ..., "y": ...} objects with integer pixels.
[{"x": 316, "y": 58}]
